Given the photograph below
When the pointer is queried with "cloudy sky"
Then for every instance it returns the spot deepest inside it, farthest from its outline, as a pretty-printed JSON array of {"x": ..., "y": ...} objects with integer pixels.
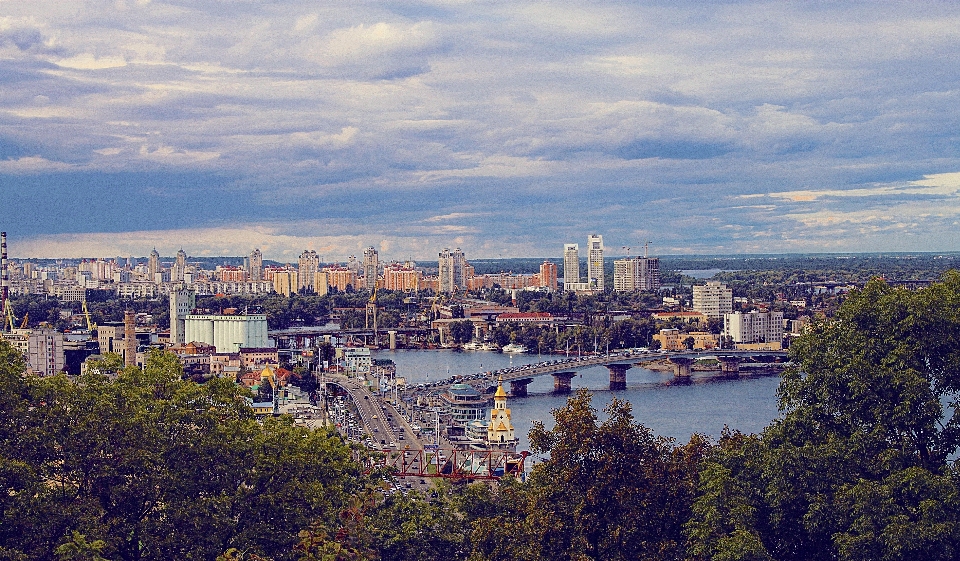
[{"x": 502, "y": 127}]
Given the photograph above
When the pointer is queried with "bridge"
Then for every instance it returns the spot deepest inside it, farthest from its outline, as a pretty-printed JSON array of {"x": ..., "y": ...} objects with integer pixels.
[
  {"x": 565, "y": 369},
  {"x": 413, "y": 458}
]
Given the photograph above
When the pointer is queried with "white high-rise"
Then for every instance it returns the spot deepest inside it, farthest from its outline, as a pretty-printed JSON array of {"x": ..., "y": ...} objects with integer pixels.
[
  {"x": 256, "y": 266},
  {"x": 450, "y": 270},
  {"x": 180, "y": 267},
  {"x": 713, "y": 299},
  {"x": 571, "y": 265},
  {"x": 639, "y": 273},
  {"x": 595, "y": 262},
  {"x": 371, "y": 265},
  {"x": 754, "y": 327},
  {"x": 307, "y": 266},
  {"x": 182, "y": 302}
]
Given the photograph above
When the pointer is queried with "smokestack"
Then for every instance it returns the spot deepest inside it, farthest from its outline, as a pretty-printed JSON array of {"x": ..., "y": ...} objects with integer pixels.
[
  {"x": 4, "y": 277},
  {"x": 130, "y": 338}
]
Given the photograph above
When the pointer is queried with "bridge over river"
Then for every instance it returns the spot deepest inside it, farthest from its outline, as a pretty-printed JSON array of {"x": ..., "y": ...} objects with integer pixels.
[{"x": 564, "y": 370}]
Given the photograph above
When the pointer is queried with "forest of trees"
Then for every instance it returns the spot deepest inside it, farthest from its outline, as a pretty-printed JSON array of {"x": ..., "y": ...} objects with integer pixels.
[{"x": 860, "y": 465}]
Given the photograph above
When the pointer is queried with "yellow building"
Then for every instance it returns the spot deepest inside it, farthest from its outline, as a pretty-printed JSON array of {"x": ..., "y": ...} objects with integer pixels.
[{"x": 500, "y": 433}]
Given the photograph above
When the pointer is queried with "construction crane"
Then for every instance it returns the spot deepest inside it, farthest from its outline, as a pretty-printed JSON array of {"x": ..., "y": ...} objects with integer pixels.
[
  {"x": 371, "y": 317},
  {"x": 91, "y": 327},
  {"x": 10, "y": 321},
  {"x": 26, "y": 317},
  {"x": 646, "y": 246}
]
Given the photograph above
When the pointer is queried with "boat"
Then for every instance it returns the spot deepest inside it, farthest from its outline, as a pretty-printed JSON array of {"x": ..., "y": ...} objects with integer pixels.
[{"x": 514, "y": 348}]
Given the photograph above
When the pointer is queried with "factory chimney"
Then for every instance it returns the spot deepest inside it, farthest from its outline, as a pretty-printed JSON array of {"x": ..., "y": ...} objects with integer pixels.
[
  {"x": 130, "y": 338},
  {"x": 4, "y": 279}
]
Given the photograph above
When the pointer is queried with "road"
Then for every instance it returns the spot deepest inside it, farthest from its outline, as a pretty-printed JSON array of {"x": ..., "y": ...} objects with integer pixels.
[{"x": 381, "y": 421}]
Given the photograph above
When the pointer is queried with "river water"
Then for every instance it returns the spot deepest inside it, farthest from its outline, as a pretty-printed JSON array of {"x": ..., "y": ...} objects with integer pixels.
[{"x": 705, "y": 406}]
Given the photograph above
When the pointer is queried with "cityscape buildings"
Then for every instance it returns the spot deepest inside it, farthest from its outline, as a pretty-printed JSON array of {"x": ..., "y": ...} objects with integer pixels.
[
  {"x": 713, "y": 299},
  {"x": 371, "y": 268},
  {"x": 255, "y": 265},
  {"x": 754, "y": 327},
  {"x": 548, "y": 276},
  {"x": 636, "y": 274},
  {"x": 307, "y": 266},
  {"x": 228, "y": 333},
  {"x": 571, "y": 265},
  {"x": 182, "y": 302},
  {"x": 451, "y": 267},
  {"x": 595, "y": 262}
]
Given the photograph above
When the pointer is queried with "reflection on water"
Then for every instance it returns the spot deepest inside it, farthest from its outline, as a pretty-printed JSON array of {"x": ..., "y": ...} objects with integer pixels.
[{"x": 705, "y": 406}]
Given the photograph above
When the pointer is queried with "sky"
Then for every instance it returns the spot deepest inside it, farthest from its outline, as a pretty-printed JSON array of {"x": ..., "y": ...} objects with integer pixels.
[{"x": 505, "y": 128}]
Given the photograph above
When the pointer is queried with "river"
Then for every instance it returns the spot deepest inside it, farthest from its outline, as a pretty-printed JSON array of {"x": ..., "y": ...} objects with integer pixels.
[{"x": 705, "y": 406}]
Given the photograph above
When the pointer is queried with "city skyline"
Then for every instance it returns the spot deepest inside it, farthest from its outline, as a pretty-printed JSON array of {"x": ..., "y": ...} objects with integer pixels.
[{"x": 504, "y": 129}]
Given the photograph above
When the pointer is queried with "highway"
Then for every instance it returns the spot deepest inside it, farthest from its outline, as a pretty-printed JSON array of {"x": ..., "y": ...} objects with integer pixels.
[{"x": 382, "y": 422}]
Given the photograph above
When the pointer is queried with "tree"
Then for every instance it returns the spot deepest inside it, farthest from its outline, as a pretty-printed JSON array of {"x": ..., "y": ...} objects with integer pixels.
[
  {"x": 857, "y": 466},
  {"x": 149, "y": 466},
  {"x": 461, "y": 331},
  {"x": 609, "y": 490}
]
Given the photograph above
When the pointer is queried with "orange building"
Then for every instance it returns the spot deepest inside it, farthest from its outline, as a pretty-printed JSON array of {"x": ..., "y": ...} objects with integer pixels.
[
  {"x": 341, "y": 277},
  {"x": 548, "y": 275},
  {"x": 231, "y": 274},
  {"x": 397, "y": 276}
]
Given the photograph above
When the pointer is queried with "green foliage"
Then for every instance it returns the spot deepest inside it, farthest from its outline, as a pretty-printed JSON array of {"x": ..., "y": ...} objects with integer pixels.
[
  {"x": 148, "y": 466},
  {"x": 857, "y": 466},
  {"x": 609, "y": 490},
  {"x": 461, "y": 331}
]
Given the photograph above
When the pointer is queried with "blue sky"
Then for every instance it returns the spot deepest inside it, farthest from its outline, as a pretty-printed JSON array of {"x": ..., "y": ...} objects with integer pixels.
[{"x": 504, "y": 128}]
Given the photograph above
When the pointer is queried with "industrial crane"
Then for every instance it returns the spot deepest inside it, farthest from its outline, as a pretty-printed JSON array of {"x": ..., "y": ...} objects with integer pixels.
[
  {"x": 10, "y": 321},
  {"x": 91, "y": 327}
]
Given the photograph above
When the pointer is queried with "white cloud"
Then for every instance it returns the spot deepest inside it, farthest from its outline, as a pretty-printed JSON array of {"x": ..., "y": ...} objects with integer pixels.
[
  {"x": 32, "y": 165},
  {"x": 88, "y": 61}
]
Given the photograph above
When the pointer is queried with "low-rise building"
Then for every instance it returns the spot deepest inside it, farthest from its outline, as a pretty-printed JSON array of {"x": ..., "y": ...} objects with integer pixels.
[{"x": 463, "y": 403}]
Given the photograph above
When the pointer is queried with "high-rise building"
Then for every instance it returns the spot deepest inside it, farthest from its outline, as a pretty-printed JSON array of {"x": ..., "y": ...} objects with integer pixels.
[
  {"x": 548, "y": 275},
  {"x": 321, "y": 283},
  {"x": 255, "y": 265},
  {"x": 571, "y": 264},
  {"x": 153, "y": 265},
  {"x": 179, "y": 267},
  {"x": 340, "y": 277},
  {"x": 285, "y": 281},
  {"x": 371, "y": 266},
  {"x": 309, "y": 264},
  {"x": 451, "y": 267},
  {"x": 713, "y": 299},
  {"x": 45, "y": 352},
  {"x": 182, "y": 302},
  {"x": 398, "y": 276},
  {"x": 639, "y": 273},
  {"x": 354, "y": 265},
  {"x": 595, "y": 262}
]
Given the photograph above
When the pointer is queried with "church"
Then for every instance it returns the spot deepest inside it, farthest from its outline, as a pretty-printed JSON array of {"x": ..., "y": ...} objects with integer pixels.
[{"x": 500, "y": 433}]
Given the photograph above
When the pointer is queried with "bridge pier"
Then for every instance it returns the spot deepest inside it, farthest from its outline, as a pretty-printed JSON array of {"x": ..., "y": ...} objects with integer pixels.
[
  {"x": 561, "y": 381},
  {"x": 681, "y": 369},
  {"x": 518, "y": 388},
  {"x": 618, "y": 376},
  {"x": 729, "y": 366}
]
